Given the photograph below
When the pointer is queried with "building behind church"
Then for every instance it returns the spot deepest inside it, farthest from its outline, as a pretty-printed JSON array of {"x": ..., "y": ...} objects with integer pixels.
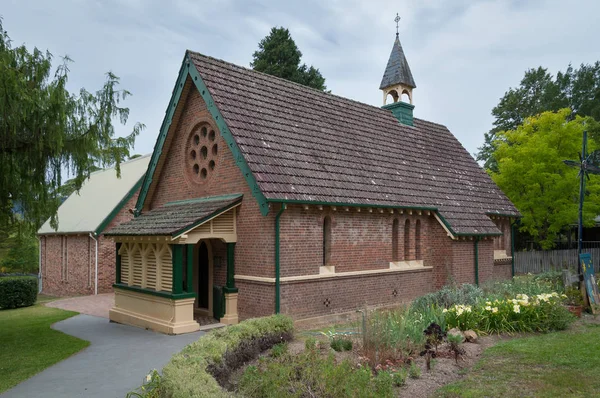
[{"x": 263, "y": 196}]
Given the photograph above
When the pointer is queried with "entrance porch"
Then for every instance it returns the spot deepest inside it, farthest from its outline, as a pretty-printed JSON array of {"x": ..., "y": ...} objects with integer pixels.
[{"x": 168, "y": 260}]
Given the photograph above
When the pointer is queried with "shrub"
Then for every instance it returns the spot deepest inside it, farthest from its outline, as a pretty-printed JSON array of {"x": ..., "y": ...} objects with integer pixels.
[
  {"x": 341, "y": 344},
  {"x": 530, "y": 285},
  {"x": 279, "y": 350},
  {"x": 202, "y": 367},
  {"x": 18, "y": 291},
  {"x": 399, "y": 377},
  {"x": 311, "y": 374},
  {"x": 414, "y": 371},
  {"x": 448, "y": 296}
]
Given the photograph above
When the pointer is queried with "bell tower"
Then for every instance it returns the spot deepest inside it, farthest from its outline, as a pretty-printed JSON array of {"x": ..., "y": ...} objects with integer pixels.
[{"x": 397, "y": 79}]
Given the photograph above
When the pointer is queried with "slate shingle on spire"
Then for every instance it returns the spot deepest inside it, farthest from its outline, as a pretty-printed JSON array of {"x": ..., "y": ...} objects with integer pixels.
[{"x": 397, "y": 70}]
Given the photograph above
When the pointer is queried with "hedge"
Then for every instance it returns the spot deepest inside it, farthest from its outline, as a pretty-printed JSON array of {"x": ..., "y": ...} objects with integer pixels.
[
  {"x": 201, "y": 369},
  {"x": 18, "y": 291}
]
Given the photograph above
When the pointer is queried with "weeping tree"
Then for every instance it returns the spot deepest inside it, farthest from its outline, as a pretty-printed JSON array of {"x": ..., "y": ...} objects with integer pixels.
[{"x": 47, "y": 131}]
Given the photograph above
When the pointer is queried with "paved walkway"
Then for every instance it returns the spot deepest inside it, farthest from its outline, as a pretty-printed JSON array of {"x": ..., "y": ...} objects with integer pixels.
[
  {"x": 97, "y": 305},
  {"x": 116, "y": 362}
]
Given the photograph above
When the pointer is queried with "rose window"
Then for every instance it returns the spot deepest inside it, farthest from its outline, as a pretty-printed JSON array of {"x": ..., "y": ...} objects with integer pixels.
[{"x": 202, "y": 153}]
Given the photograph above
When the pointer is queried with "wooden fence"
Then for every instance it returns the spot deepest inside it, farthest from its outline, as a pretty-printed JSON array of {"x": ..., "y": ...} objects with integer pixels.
[{"x": 538, "y": 261}]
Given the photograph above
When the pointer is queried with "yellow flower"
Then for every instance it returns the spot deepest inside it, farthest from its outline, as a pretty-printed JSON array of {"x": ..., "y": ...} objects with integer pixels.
[
  {"x": 488, "y": 303},
  {"x": 445, "y": 310},
  {"x": 517, "y": 308},
  {"x": 488, "y": 308},
  {"x": 494, "y": 310}
]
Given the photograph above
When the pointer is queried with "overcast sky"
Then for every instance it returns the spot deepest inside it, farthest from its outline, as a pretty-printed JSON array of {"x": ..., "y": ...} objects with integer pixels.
[{"x": 463, "y": 54}]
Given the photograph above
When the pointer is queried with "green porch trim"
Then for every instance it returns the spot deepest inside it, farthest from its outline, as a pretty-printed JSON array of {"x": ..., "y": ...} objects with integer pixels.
[
  {"x": 154, "y": 292},
  {"x": 118, "y": 207},
  {"x": 190, "y": 269},
  {"x": 118, "y": 264},
  {"x": 230, "y": 287},
  {"x": 205, "y": 219},
  {"x": 240, "y": 161},
  {"x": 160, "y": 141},
  {"x": 177, "y": 262}
]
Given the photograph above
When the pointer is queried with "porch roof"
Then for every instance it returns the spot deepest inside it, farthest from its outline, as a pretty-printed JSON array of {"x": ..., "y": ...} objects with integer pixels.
[{"x": 175, "y": 218}]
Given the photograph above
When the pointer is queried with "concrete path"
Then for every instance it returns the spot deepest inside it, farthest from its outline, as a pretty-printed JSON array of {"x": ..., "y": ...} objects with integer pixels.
[
  {"x": 116, "y": 362},
  {"x": 97, "y": 305}
]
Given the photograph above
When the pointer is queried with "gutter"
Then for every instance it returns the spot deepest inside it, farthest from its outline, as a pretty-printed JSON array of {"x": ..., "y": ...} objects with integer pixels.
[
  {"x": 277, "y": 264},
  {"x": 477, "y": 261},
  {"x": 96, "y": 267}
]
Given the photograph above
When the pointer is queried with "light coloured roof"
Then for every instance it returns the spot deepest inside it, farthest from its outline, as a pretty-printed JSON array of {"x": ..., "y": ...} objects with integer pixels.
[{"x": 102, "y": 193}]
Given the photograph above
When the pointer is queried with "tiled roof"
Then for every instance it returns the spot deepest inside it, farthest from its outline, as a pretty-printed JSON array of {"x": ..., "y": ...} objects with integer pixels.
[
  {"x": 174, "y": 218},
  {"x": 397, "y": 70},
  {"x": 306, "y": 145}
]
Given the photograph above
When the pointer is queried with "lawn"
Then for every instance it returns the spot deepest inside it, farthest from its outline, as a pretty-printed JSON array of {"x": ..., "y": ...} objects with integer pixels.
[
  {"x": 29, "y": 345},
  {"x": 551, "y": 365}
]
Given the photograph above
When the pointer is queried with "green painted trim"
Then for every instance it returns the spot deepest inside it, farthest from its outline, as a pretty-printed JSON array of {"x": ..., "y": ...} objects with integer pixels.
[
  {"x": 477, "y": 262},
  {"x": 230, "y": 265},
  {"x": 203, "y": 220},
  {"x": 277, "y": 261},
  {"x": 119, "y": 206},
  {"x": 177, "y": 262},
  {"x": 206, "y": 199},
  {"x": 512, "y": 247},
  {"x": 154, "y": 292},
  {"x": 118, "y": 264},
  {"x": 190, "y": 269},
  {"x": 160, "y": 141},
  {"x": 401, "y": 111},
  {"x": 227, "y": 136},
  {"x": 230, "y": 290}
]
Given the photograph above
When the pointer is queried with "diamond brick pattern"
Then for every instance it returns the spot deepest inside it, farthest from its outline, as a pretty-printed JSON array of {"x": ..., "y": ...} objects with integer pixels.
[{"x": 306, "y": 145}]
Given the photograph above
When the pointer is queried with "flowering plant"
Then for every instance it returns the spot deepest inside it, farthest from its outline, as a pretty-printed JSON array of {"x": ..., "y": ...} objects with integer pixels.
[
  {"x": 150, "y": 388},
  {"x": 538, "y": 313}
]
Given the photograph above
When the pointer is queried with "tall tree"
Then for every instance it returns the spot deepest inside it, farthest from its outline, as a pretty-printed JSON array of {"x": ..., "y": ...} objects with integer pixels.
[
  {"x": 278, "y": 55},
  {"x": 539, "y": 91},
  {"x": 45, "y": 130},
  {"x": 532, "y": 174}
]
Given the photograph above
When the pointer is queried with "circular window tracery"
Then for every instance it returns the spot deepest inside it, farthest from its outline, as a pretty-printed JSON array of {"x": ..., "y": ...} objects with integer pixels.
[{"x": 202, "y": 153}]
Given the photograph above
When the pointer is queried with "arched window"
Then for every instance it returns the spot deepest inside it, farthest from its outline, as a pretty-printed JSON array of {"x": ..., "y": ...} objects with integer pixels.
[
  {"x": 418, "y": 240},
  {"x": 326, "y": 240},
  {"x": 395, "y": 240},
  {"x": 407, "y": 240}
]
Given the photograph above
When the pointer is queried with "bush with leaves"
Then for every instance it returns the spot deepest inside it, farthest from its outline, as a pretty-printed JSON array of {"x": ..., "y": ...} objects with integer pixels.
[{"x": 18, "y": 291}]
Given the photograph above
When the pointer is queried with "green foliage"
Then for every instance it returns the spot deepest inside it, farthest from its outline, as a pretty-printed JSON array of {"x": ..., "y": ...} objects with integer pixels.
[
  {"x": 278, "y": 55},
  {"x": 530, "y": 285},
  {"x": 45, "y": 130},
  {"x": 540, "y": 313},
  {"x": 538, "y": 92},
  {"x": 532, "y": 174},
  {"x": 414, "y": 372},
  {"x": 186, "y": 374},
  {"x": 311, "y": 374},
  {"x": 18, "y": 249},
  {"x": 340, "y": 344},
  {"x": 573, "y": 296},
  {"x": 151, "y": 387},
  {"x": 19, "y": 291},
  {"x": 279, "y": 350},
  {"x": 448, "y": 296},
  {"x": 399, "y": 377}
]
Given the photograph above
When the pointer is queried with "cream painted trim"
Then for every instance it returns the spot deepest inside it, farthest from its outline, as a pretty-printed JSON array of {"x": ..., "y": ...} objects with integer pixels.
[
  {"x": 332, "y": 276},
  {"x": 444, "y": 226},
  {"x": 189, "y": 231},
  {"x": 410, "y": 264}
]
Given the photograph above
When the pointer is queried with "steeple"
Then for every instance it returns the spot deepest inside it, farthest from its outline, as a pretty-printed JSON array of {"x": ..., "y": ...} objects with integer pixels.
[{"x": 397, "y": 78}]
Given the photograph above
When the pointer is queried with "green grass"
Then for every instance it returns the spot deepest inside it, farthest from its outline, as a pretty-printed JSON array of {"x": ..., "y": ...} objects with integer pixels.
[
  {"x": 29, "y": 345},
  {"x": 561, "y": 364}
]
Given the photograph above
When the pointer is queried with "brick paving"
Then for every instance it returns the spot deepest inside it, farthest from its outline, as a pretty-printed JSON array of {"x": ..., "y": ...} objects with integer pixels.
[{"x": 98, "y": 305}]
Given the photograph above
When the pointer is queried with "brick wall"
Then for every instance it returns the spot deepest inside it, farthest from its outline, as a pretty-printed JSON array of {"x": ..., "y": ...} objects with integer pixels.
[{"x": 80, "y": 260}]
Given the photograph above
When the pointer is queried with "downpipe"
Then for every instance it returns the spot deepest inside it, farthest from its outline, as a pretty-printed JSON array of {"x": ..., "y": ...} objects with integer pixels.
[
  {"x": 277, "y": 265},
  {"x": 96, "y": 265}
]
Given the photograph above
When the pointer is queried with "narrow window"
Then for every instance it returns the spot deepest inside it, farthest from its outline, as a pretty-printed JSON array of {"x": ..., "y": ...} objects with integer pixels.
[
  {"x": 407, "y": 240},
  {"x": 418, "y": 240},
  {"x": 326, "y": 240},
  {"x": 395, "y": 240}
]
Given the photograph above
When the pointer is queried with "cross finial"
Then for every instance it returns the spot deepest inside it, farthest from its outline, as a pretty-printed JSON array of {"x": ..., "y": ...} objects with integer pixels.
[{"x": 397, "y": 19}]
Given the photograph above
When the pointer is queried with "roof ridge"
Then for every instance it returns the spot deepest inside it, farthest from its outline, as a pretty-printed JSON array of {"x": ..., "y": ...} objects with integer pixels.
[{"x": 301, "y": 86}]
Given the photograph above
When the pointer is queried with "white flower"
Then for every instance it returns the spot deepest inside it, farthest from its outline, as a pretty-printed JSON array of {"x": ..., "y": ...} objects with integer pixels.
[
  {"x": 488, "y": 308},
  {"x": 148, "y": 377},
  {"x": 488, "y": 303},
  {"x": 494, "y": 310},
  {"x": 517, "y": 308},
  {"x": 445, "y": 310}
]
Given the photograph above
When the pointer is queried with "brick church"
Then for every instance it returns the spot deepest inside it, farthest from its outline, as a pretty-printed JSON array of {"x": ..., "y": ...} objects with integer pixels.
[{"x": 265, "y": 196}]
